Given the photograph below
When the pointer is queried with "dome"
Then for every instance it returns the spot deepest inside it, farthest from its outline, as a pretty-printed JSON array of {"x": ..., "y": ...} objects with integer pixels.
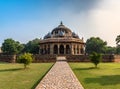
[
  {"x": 61, "y": 32},
  {"x": 47, "y": 36},
  {"x": 75, "y": 35},
  {"x": 61, "y": 28}
]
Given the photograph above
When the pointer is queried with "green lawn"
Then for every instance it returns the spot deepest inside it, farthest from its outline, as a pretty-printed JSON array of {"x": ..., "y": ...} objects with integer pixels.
[
  {"x": 13, "y": 76},
  {"x": 107, "y": 76}
]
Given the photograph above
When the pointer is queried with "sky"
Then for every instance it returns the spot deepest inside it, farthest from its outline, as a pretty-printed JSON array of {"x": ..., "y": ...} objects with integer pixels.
[{"x": 25, "y": 20}]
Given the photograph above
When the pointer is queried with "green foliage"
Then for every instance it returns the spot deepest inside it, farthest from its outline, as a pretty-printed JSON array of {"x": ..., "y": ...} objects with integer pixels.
[
  {"x": 118, "y": 50},
  {"x": 32, "y": 46},
  {"x": 95, "y": 45},
  {"x": 110, "y": 50},
  {"x": 25, "y": 58},
  {"x": 95, "y": 58},
  {"x": 118, "y": 40},
  {"x": 118, "y": 45},
  {"x": 11, "y": 47}
]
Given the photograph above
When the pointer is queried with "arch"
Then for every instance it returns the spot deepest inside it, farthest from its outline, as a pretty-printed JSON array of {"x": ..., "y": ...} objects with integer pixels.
[
  {"x": 77, "y": 49},
  {"x": 82, "y": 51},
  {"x": 67, "y": 49},
  {"x": 55, "y": 49},
  {"x": 61, "y": 49},
  {"x": 44, "y": 50},
  {"x": 74, "y": 50}
]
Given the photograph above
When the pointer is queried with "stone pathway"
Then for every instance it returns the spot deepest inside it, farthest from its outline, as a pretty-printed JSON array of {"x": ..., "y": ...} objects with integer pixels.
[{"x": 60, "y": 77}]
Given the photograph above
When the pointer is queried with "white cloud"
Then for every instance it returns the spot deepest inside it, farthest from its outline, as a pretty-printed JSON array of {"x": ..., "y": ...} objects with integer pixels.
[
  {"x": 106, "y": 20},
  {"x": 101, "y": 21}
]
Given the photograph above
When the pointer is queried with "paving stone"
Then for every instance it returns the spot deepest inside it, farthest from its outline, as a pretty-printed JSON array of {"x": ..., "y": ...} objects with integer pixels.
[{"x": 60, "y": 77}]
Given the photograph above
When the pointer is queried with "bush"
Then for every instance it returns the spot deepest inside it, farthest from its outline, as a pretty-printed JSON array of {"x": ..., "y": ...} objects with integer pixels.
[
  {"x": 95, "y": 58},
  {"x": 25, "y": 58}
]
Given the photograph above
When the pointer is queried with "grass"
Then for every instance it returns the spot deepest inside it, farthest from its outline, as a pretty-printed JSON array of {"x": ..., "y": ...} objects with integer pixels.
[
  {"x": 106, "y": 76},
  {"x": 13, "y": 76}
]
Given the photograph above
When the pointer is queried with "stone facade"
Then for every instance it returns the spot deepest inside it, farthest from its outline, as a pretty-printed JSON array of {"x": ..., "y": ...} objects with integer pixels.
[
  {"x": 7, "y": 58},
  {"x": 53, "y": 58},
  {"x": 75, "y": 58},
  {"x": 61, "y": 41}
]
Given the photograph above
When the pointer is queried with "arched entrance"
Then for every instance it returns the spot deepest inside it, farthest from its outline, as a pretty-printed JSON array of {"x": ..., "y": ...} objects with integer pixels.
[
  {"x": 61, "y": 49},
  {"x": 67, "y": 49},
  {"x": 81, "y": 50},
  {"x": 55, "y": 49}
]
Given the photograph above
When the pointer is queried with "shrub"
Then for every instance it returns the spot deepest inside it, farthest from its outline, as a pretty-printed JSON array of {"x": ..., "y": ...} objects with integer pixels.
[
  {"x": 95, "y": 58},
  {"x": 25, "y": 58}
]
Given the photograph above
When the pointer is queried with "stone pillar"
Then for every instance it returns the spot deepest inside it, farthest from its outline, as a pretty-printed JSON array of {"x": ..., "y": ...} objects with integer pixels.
[
  {"x": 51, "y": 48},
  {"x": 64, "y": 49},
  {"x": 46, "y": 48},
  {"x": 58, "y": 48},
  {"x": 78, "y": 52},
  {"x": 71, "y": 49},
  {"x": 75, "y": 49}
]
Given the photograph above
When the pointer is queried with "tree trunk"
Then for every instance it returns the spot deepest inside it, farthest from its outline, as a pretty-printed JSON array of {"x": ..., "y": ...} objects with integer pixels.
[
  {"x": 95, "y": 65},
  {"x": 25, "y": 66}
]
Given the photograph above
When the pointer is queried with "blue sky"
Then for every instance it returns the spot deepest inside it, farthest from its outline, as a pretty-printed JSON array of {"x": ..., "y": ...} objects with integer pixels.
[{"x": 24, "y": 20}]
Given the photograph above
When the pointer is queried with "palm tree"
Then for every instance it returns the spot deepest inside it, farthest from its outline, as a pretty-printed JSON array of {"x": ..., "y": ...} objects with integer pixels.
[{"x": 118, "y": 40}]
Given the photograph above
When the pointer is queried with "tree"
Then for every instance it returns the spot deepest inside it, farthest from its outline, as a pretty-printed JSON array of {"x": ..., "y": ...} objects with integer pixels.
[
  {"x": 118, "y": 50},
  {"x": 25, "y": 58},
  {"x": 95, "y": 58},
  {"x": 95, "y": 44},
  {"x": 118, "y": 40},
  {"x": 110, "y": 50},
  {"x": 32, "y": 46},
  {"x": 118, "y": 45},
  {"x": 10, "y": 46}
]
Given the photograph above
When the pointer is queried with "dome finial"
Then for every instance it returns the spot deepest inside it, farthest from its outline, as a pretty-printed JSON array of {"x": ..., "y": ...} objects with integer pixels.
[{"x": 61, "y": 23}]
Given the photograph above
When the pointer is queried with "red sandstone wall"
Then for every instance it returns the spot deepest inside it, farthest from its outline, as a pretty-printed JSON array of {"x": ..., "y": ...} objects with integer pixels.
[
  {"x": 8, "y": 58},
  {"x": 44, "y": 58},
  {"x": 117, "y": 58},
  {"x": 72, "y": 58},
  {"x": 52, "y": 58}
]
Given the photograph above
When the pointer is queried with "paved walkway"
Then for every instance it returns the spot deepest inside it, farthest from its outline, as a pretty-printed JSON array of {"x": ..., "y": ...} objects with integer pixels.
[{"x": 60, "y": 77}]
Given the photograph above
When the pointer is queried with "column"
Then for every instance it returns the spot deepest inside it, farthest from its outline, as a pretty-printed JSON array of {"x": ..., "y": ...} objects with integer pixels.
[
  {"x": 58, "y": 48},
  {"x": 51, "y": 48},
  {"x": 75, "y": 49},
  {"x": 64, "y": 49},
  {"x": 71, "y": 49}
]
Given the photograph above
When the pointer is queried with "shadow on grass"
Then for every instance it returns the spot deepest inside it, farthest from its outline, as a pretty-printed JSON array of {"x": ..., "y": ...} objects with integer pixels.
[
  {"x": 6, "y": 70},
  {"x": 89, "y": 68},
  {"x": 104, "y": 80}
]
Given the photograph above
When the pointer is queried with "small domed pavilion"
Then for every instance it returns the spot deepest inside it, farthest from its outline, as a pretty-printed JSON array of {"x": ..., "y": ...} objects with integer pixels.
[{"x": 61, "y": 41}]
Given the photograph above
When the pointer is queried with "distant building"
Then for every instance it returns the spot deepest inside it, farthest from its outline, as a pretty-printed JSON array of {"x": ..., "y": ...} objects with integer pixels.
[{"x": 61, "y": 41}]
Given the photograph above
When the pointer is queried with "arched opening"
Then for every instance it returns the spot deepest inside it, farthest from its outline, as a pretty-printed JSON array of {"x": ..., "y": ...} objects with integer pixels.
[
  {"x": 67, "y": 49},
  {"x": 77, "y": 49},
  {"x": 44, "y": 50},
  {"x": 74, "y": 50},
  {"x": 61, "y": 49},
  {"x": 55, "y": 49},
  {"x": 82, "y": 51}
]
